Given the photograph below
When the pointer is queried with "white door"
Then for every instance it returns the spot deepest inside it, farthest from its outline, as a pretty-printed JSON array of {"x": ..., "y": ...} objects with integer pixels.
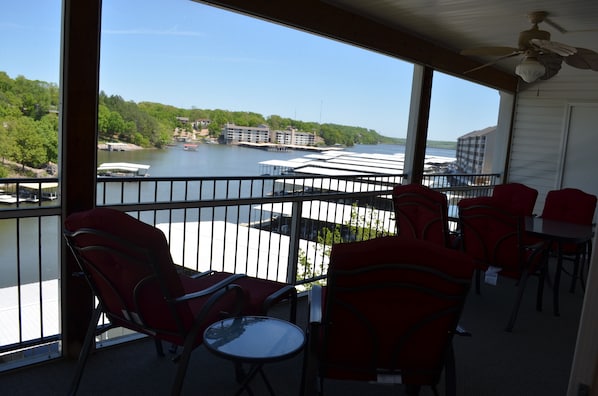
[{"x": 580, "y": 161}]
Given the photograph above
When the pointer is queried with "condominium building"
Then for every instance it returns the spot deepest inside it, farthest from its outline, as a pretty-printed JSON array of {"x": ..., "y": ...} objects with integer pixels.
[
  {"x": 261, "y": 134},
  {"x": 475, "y": 151},
  {"x": 292, "y": 136},
  {"x": 236, "y": 134}
]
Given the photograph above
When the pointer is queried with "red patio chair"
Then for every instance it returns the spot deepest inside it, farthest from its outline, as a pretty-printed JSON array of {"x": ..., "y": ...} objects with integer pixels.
[
  {"x": 422, "y": 213},
  {"x": 388, "y": 314},
  {"x": 128, "y": 266},
  {"x": 494, "y": 237},
  {"x": 518, "y": 198},
  {"x": 574, "y": 206}
]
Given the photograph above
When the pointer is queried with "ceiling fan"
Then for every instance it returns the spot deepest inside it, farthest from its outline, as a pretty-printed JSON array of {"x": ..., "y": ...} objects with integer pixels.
[{"x": 542, "y": 58}]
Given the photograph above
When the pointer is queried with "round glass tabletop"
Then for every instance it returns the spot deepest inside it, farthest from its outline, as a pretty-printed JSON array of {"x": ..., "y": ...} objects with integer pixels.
[{"x": 254, "y": 338}]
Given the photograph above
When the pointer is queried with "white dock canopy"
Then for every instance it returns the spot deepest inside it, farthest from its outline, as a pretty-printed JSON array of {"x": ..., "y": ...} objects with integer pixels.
[{"x": 334, "y": 213}]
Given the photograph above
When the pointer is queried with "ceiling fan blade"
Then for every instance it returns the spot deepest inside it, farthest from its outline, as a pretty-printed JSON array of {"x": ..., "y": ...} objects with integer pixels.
[
  {"x": 512, "y": 54},
  {"x": 489, "y": 51},
  {"x": 552, "y": 46},
  {"x": 555, "y": 25},
  {"x": 552, "y": 63},
  {"x": 583, "y": 59}
]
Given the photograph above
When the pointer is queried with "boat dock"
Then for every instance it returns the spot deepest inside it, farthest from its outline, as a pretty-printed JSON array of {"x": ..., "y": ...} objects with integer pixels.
[
  {"x": 123, "y": 169},
  {"x": 337, "y": 163}
]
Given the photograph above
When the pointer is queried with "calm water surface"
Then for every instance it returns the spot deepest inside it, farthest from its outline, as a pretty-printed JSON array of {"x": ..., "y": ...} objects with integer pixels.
[{"x": 224, "y": 160}]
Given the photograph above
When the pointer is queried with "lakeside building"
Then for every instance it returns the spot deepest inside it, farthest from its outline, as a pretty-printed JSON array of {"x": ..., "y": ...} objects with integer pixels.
[
  {"x": 236, "y": 134},
  {"x": 475, "y": 151},
  {"x": 262, "y": 134},
  {"x": 293, "y": 137}
]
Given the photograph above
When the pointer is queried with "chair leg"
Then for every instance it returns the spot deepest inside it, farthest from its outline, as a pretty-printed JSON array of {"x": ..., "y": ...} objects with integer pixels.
[
  {"x": 309, "y": 377},
  {"x": 159, "y": 349},
  {"x": 88, "y": 342},
  {"x": 183, "y": 362},
  {"x": 540, "y": 293},
  {"x": 582, "y": 259},
  {"x": 450, "y": 374},
  {"x": 515, "y": 311},
  {"x": 191, "y": 337},
  {"x": 556, "y": 285},
  {"x": 575, "y": 273},
  {"x": 542, "y": 277}
]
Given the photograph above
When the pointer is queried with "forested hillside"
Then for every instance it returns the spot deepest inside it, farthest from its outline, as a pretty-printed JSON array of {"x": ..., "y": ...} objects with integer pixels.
[{"x": 29, "y": 123}]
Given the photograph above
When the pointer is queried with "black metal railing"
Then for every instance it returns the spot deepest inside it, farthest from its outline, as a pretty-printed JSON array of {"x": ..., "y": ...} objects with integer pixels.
[{"x": 272, "y": 227}]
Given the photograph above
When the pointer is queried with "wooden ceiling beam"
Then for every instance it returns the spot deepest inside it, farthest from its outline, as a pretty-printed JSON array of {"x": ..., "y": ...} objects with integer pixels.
[{"x": 321, "y": 18}]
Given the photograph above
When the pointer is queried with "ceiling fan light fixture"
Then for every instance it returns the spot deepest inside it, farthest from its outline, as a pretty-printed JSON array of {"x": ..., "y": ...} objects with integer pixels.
[{"x": 530, "y": 69}]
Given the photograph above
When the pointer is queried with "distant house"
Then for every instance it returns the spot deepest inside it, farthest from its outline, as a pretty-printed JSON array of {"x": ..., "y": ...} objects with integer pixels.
[
  {"x": 183, "y": 120},
  {"x": 475, "y": 151},
  {"x": 201, "y": 123}
]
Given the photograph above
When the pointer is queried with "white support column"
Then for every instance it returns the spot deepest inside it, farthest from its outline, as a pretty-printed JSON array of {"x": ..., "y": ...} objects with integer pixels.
[
  {"x": 503, "y": 133},
  {"x": 416, "y": 88}
]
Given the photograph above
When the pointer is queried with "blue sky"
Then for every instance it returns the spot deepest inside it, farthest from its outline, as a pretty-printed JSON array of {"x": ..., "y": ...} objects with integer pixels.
[{"x": 189, "y": 55}]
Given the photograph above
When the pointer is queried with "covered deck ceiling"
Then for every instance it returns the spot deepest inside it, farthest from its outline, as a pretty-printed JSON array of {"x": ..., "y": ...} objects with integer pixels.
[{"x": 432, "y": 33}]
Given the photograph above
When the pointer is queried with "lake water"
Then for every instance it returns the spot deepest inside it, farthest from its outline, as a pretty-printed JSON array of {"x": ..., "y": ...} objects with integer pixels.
[
  {"x": 208, "y": 160},
  {"x": 227, "y": 160}
]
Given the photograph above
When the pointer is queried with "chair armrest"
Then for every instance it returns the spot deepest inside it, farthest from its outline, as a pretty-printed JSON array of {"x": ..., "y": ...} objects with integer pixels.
[
  {"x": 209, "y": 290},
  {"x": 315, "y": 304},
  {"x": 288, "y": 292},
  {"x": 190, "y": 272}
]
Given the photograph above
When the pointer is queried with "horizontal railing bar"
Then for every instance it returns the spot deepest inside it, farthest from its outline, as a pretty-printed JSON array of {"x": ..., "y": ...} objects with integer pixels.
[
  {"x": 38, "y": 211},
  {"x": 208, "y": 203},
  {"x": 29, "y": 343},
  {"x": 302, "y": 233}
]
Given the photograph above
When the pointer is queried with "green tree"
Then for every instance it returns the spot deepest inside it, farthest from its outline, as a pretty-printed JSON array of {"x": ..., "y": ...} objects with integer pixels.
[
  {"x": 29, "y": 144},
  {"x": 7, "y": 142},
  {"x": 47, "y": 127}
]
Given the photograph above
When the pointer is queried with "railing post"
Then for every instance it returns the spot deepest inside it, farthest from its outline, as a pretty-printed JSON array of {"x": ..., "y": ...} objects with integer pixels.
[{"x": 294, "y": 242}]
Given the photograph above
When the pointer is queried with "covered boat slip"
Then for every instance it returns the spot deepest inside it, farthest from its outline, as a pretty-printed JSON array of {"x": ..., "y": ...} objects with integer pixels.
[
  {"x": 321, "y": 184},
  {"x": 347, "y": 163},
  {"x": 122, "y": 169},
  {"x": 327, "y": 213},
  {"x": 224, "y": 246},
  {"x": 12, "y": 193},
  {"x": 48, "y": 190}
]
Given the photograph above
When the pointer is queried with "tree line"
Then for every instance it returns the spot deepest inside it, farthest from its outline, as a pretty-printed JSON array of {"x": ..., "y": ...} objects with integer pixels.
[{"x": 29, "y": 123}]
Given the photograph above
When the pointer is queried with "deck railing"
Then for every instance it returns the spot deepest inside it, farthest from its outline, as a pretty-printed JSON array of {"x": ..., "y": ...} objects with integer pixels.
[{"x": 278, "y": 228}]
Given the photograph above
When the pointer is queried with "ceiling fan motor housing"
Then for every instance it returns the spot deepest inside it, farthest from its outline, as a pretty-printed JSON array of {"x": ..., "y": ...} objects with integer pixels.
[{"x": 533, "y": 33}]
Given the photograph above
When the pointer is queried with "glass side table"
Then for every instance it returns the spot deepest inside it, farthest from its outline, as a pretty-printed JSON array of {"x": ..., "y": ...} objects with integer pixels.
[{"x": 255, "y": 340}]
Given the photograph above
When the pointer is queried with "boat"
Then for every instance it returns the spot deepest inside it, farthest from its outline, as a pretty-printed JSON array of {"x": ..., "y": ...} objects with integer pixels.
[
  {"x": 122, "y": 169},
  {"x": 190, "y": 147}
]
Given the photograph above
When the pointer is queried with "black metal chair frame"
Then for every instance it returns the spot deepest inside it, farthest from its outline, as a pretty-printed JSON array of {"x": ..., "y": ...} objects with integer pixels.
[{"x": 526, "y": 254}]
